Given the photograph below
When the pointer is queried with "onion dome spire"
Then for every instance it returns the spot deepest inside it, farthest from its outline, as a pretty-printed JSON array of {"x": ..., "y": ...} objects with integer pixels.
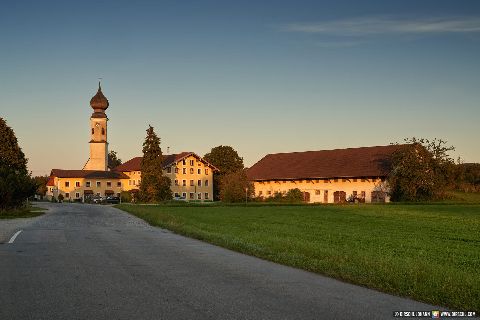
[{"x": 99, "y": 102}]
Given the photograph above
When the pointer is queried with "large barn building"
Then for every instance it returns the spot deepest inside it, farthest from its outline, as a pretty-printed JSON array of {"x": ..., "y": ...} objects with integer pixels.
[{"x": 327, "y": 176}]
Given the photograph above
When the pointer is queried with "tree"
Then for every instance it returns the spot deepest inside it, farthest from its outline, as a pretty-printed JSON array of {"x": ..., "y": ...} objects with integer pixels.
[
  {"x": 16, "y": 184},
  {"x": 154, "y": 186},
  {"x": 227, "y": 160},
  {"x": 113, "y": 160},
  {"x": 235, "y": 187},
  {"x": 421, "y": 170},
  {"x": 41, "y": 183}
]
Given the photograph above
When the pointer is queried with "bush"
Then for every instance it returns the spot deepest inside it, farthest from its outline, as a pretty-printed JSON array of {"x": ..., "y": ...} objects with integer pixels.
[
  {"x": 294, "y": 195},
  {"x": 126, "y": 196},
  {"x": 60, "y": 197}
]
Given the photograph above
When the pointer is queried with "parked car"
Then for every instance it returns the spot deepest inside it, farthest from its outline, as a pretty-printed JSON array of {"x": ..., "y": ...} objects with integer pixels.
[
  {"x": 113, "y": 200},
  {"x": 98, "y": 199},
  {"x": 180, "y": 198}
]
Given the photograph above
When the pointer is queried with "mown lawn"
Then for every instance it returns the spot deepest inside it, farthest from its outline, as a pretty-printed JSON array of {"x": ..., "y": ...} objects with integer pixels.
[
  {"x": 430, "y": 253},
  {"x": 27, "y": 212}
]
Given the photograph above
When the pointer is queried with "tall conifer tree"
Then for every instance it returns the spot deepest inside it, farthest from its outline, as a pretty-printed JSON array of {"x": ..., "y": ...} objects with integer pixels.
[
  {"x": 154, "y": 186},
  {"x": 15, "y": 181}
]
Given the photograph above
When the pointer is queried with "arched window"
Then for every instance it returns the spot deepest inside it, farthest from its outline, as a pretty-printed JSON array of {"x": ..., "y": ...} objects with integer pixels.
[
  {"x": 93, "y": 130},
  {"x": 103, "y": 131}
]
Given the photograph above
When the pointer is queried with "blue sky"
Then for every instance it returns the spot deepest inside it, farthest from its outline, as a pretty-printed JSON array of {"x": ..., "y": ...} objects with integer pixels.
[{"x": 262, "y": 76}]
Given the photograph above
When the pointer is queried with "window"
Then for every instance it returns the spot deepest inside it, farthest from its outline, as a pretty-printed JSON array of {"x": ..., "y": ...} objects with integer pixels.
[
  {"x": 206, "y": 195},
  {"x": 206, "y": 171},
  {"x": 99, "y": 184},
  {"x": 77, "y": 195},
  {"x": 355, "y": 180},
  {"x": 363, "y": 180},
  {"x": 354, "y": 193},
  {"x": 184, "y": 162},
  {"x": 67, "y": 184},
  {"x": 87, "y": 184},
  {"x": 199, "y": 196},
  {"x": 169, "y": 169},
  {"x": 109, "y": 184},
  {"x": 119, "y": 184},
  {"x": 129, "y": 182},
  {"x": 206, "y": 183},
  {"x": 176, "y": 182},
  {"x": 184, "y": 170},
  {"x": 363, "y": 194},
  {"x": 191, "y": 170},
  {"x": 184, "y": 183},
  {"x": 77, "y": 184},
  {"x": 317, "y": 192},
  {"x": 344, "y": 180},
  {"x": 67, "y": 195},
  {"x": 199, "y": 183},
  {"x": 133, "y": 181},
  {"x": 191, "y": 163},
  {"x": 93, "y": 131},
  {"x": 325, "y": 181},
  {"x": 199, "y": 171},
  {"x": 192, "y": 195},
  {"x": 335, "y": 180},
  {"x": 176, "y": 195},
  {"x": 184, "y": 195},
  {"x": 191, "y": 183},
  {"x": 269, "y": 192},
  {"x": 176, "y": 170},
  {"x": 260, "y": 193}
]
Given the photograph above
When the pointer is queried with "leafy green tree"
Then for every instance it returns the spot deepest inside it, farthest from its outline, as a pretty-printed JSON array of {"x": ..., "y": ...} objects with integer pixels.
[
  {"x": 421, "y": 170},
  {"x": 16, "y": 184},
  {"x": 227, "y": 160},
  {"x": 235, "y": 187},
  {"x": 41, "y": 182},
  {"x": 113, "y": 160},
  {"x": 154, "y": 186}
]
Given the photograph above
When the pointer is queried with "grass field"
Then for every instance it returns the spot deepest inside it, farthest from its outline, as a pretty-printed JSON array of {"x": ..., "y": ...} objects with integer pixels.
[
  {"x": 430, "y": 252},
  {"x": 22, "y": 213}
]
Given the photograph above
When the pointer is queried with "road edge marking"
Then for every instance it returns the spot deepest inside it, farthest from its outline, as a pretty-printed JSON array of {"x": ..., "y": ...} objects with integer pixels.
[{"x": 14, "y": 236}]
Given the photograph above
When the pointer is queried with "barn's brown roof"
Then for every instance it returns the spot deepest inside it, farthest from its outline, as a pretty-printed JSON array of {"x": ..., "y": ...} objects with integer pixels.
[
  {"x": 135, "y": 163},
  {"x": 87, "y": 174},
  {"x": 338, "y": 163}
]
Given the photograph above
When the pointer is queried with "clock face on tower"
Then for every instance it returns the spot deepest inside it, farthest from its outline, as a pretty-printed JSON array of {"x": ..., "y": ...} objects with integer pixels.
[{"x": 97, "y": 124}]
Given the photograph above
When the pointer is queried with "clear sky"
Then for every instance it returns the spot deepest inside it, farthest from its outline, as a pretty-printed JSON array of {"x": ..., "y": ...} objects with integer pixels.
[{"x": 261, "y": 76}]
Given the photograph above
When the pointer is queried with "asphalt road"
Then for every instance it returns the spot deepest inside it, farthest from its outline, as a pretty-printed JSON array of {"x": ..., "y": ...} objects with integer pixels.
[{"x": 96, "y": 262}]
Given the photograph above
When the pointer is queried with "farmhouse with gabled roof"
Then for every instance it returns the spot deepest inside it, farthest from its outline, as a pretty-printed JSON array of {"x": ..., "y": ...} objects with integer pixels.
[{"x": 327, "y": 176}]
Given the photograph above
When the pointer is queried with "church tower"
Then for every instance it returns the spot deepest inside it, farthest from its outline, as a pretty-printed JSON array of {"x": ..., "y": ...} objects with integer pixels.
[{"x": 98, "y": 136}]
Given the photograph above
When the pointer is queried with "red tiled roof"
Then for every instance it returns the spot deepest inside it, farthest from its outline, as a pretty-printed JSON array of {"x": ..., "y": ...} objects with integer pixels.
[
  {"x": 338, "y": 163},
  {"x": 134, "y": 164},
  {"x": 87, "y": 174},
  {"x": 51, "y": 181}
]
